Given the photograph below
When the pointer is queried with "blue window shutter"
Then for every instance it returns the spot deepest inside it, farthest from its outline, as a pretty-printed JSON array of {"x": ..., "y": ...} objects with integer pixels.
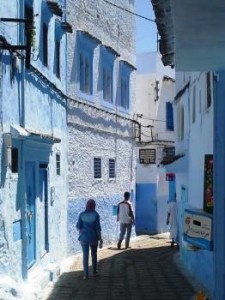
[
  {"x": 86, "y": 46},
  {"x": 107, "y": 59},
  {"x": 124, "y": 100},
  {"x": 81, "y": 72},
  {"x": 169, "y": 116}
]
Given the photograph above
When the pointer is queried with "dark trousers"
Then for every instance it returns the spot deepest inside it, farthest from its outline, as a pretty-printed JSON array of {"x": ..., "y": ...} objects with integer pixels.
[{"x": 85, "y": 248}]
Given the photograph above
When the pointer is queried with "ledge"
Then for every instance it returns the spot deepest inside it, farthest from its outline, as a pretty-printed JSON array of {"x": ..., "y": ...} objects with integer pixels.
[
  {"x": 54, "y": 7},
  {"x": 67, "y": 27}
]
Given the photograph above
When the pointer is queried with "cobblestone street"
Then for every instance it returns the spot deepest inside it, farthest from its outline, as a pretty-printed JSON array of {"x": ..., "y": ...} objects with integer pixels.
[{"x": 149, "y": 270}]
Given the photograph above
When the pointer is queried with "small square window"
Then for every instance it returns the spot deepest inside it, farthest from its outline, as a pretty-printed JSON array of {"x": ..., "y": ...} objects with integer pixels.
[
  {"x": 112, "y": 168},
  {"x": 58, "y": 164},
  {"x": 97, "y": 168}
]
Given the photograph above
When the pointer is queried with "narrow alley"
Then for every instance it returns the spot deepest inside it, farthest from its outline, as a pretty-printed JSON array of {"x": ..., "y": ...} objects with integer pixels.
[{"x": 149, "y": 270}]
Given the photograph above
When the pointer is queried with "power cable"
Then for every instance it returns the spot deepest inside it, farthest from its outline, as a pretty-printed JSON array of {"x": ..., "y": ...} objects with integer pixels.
[{"x": 128, "y": 11}]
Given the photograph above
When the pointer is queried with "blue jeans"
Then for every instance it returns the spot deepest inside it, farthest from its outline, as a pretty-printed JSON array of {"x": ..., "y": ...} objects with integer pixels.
[
  {"x": 85, "y": 248},
  {"x": 124, "y": 227}
]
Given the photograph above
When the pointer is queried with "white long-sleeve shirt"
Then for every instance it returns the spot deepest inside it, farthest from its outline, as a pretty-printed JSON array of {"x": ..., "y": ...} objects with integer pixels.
[{"x": 125, "y": 212}]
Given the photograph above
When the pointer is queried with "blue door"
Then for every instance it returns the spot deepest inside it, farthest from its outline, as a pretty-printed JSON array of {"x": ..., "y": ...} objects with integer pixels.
[
  {"x": 30, "y": 213},
  {"x": 146, "y": 209},
  {"x": 43, "y": 186}
]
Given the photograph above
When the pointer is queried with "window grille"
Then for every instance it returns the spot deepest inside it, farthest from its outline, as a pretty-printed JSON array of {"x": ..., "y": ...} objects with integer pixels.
[
  {"x": 112, "y": 170},
  {"x": 97, "y": 168},
  {"x": 58, "y": 164}
]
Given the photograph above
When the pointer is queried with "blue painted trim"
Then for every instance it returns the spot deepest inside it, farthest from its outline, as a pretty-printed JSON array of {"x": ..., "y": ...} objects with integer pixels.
[
  {"x": 199, "y": 212},
  {"x": 199, "y": 242},
  {"x": 17, "y": 232}
]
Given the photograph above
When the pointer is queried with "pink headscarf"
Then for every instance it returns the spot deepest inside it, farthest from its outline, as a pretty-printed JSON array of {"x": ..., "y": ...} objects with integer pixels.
[{"x": 90, "y": 205}]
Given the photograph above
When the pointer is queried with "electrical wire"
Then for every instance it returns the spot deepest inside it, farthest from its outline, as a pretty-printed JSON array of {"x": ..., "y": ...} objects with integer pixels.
[{"x": 128, "y": 11}]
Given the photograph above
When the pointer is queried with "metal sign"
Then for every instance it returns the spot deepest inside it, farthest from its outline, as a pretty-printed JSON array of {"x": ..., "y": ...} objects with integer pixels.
[{"x": 147, "y": 156}]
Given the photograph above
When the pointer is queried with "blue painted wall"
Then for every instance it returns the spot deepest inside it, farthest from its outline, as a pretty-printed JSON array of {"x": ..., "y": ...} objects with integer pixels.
[
  {"x": 219, "y": 187},
  {"x": 146, "y": 208},
  {"x": 105, "y": 208},
  {"x": 202, "y": 262}
]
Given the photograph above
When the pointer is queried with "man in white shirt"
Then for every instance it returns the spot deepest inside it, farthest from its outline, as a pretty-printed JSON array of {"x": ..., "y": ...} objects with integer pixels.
[{"x": 125, "y": 216}]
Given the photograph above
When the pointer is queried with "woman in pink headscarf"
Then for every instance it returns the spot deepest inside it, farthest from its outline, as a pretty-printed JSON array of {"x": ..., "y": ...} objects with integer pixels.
[{"x": 90, "y": 234}]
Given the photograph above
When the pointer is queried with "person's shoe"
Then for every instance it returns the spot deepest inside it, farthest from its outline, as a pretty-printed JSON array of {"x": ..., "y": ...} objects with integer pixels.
[
  {"x": 85, "y": 277},
  {"x": 127, "y": 246},
  {"x": 119, "y": 244}
]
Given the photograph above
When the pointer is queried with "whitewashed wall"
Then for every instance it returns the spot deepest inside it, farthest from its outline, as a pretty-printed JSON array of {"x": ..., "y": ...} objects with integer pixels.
[
  {"x": 105, "y": 133},
  {"x": 149, "y": 71}
]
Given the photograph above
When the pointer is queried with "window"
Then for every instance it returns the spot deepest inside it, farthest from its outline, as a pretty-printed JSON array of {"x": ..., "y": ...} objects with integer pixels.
[
  {"x": 14, "y": 159},
  {"x": 86, "y": 46},
  {"x": 124, "y": 100},
  {"x": 97, "y": 168},
  {"x": 85, "y": 74},
  {"x": 208, "y": 86},
  {"x": 30, "y": 39},
  {"x": 45, "y": 44},
  {"x": 180, "y": 122},
  {"x": 112, "y": 171},
  {"x": 169, "y": 152},
  {"x": 194, "y": 105},
  {"x": 107, "y": 85},
  {"x": 58, "y": 164},
  {"x": 107, "y": 64},
  {"x": 57, "y": 58},
  {"x": 169, "y": 116}
]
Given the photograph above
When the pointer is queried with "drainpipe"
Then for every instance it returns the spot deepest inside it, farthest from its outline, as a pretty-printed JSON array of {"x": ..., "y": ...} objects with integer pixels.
[{"x": 22, "y": 40}]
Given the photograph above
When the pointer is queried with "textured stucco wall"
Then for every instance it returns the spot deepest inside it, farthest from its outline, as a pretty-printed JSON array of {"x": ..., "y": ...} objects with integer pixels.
[
  {"x": 95, "y": 133},
  {"x": 198, "y": 141},
  {"x": 85, "y": 143},
  {"x": 150, "y": 70},
  {"x": 26, "y": 100}
]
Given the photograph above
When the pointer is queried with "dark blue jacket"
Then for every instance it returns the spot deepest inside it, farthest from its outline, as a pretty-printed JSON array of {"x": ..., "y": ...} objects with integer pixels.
[{"x": 89, "y": 226}]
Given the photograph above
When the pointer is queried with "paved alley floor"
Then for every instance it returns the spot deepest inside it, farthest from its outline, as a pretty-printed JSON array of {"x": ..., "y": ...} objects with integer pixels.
[{"x": 149, "y": 270}]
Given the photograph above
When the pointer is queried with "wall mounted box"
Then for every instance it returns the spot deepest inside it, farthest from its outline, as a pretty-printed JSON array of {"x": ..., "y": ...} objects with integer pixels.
[{"x": 198, "y": 228}]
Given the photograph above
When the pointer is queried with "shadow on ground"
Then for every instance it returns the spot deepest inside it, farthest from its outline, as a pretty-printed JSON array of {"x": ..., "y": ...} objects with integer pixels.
[{"x": 146, "y": 273}]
